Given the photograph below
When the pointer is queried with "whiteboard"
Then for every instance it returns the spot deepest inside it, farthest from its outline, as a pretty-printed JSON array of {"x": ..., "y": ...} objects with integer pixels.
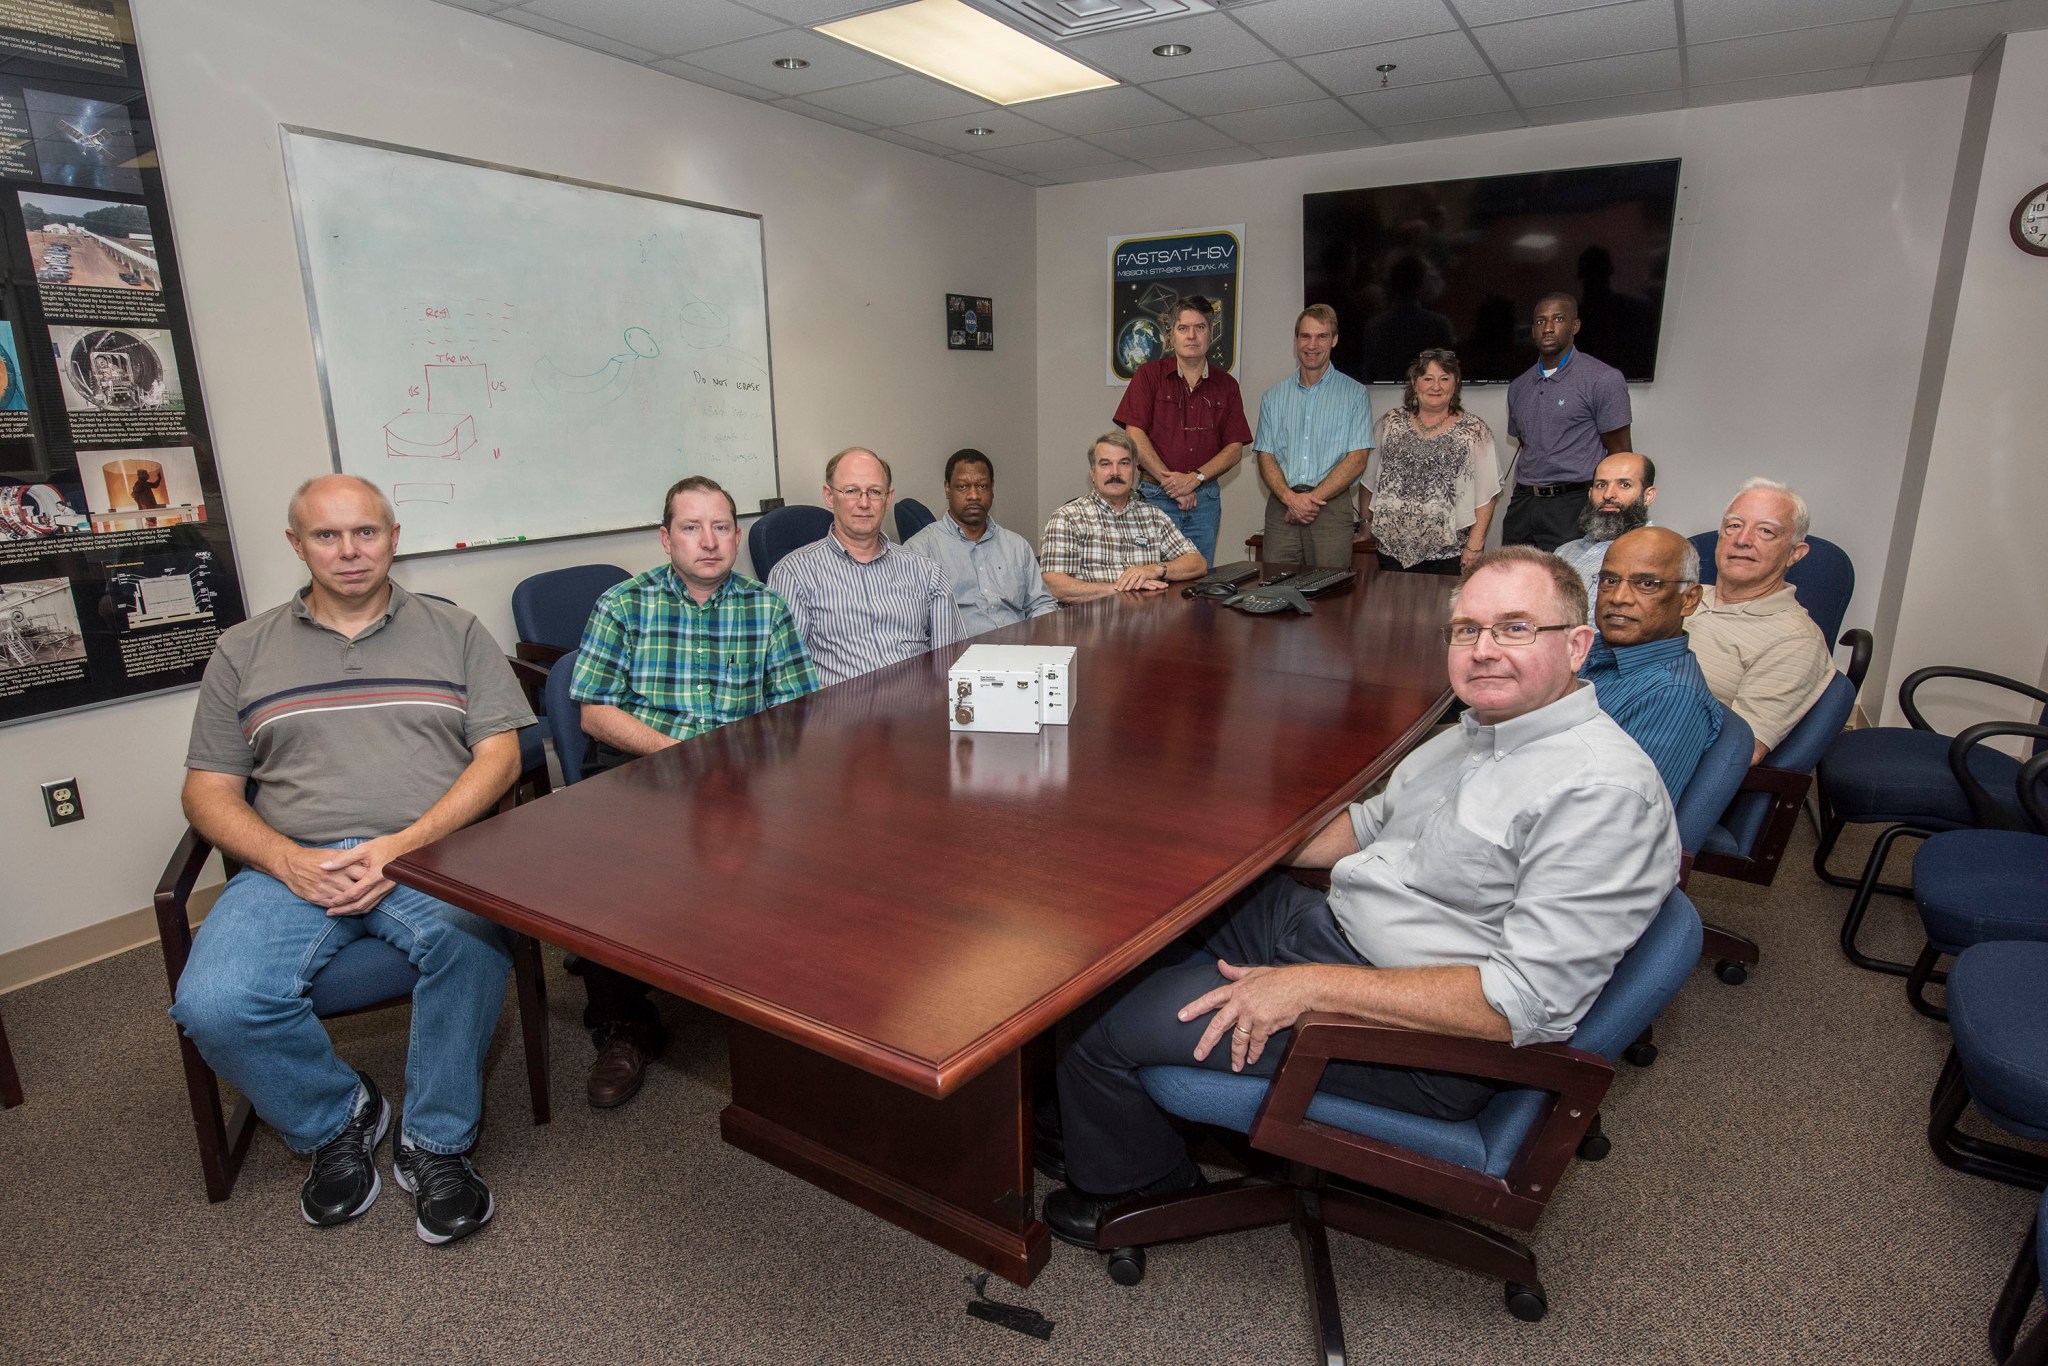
[{"x": 514, "y": 356}]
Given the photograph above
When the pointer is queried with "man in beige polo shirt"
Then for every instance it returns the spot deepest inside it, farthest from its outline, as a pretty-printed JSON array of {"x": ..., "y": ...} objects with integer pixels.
[{"x": 1761, "y": 653}]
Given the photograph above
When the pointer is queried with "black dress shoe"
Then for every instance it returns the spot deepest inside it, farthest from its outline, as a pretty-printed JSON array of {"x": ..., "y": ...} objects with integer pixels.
[{"x": 1074, "y": 1216}]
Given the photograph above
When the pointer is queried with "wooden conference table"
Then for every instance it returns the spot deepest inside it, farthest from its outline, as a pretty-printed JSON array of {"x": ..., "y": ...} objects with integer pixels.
[{"x": 889, "y": 912}]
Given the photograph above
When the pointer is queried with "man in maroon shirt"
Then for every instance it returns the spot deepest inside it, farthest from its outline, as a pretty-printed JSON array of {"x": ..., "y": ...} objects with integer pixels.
[{"x": 1188, "y": 423}]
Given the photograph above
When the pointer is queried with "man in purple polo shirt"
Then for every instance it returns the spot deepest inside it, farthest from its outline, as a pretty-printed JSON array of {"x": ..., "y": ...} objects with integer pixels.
[
  {"x": 1567, "y": 413},
  {"x": 1187, "y": 421}
]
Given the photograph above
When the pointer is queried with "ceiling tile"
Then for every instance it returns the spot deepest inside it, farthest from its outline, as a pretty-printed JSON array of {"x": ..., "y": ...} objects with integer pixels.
[
  {"x": 1161, "y": 139},
  {"x": 1478, "y": 12},
  {"x": 1113, "y": 171},
  {"x": 661, "y": 26},
  {"x": 1005, "y": 130},
  {"x": 1244, "y": 87},
  {"x": 1098, "y": 111},
  {"x": 914, "y": 144},
  {"x": 1044, "y": 158},
  {"x": 1580, "y": 111},
  {"x": 569, "y": 33},
  {"x": 1457, "y": 128},
  {"x": 478, "y": 6},
  {"x": 1926, "y": 68},
  {"x": 900, "y": 100},
  {"x": 810, "y": 11},
  {"x": 1747, "y": 18},
  {"x": 1780, "y": 54},
  {"x": 1299, "y": 27},
  {"x": 1037, "y": 181},
  {"x": 1196, "y": 161},
  {"x": 1127, "y": 52},
  {"x": 1963, "y": 30},
  {"x": 1325, "y": 142},
  {"x": 1439, "y": 57},
  {"x": 715, "y": 81},
  {"x": 1606, "y": 77},
  {"x": 1438, "y": 100},
  {"x": 982, "y": 164},
  {"x": 812, "y": 111},
  {"x": 1777, "y": 87},
  {"x": 1919, "y": 5},
  {"x": 753, "y": 61},
  {"x": 1615, "y": 31},
  {"x": 1289, "y": 121}
]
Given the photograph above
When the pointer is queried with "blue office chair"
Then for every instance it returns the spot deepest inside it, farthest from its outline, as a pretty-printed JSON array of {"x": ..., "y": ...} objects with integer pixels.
[
  {"x": 911, "y": 518},
  {"x": 1408, "y": 1181},
  {"x": 2021, "y": 1286},
  {"x": 549, "y": 609},
  {"x": 565, "y": 719},
  {"x": 1979, "y": 886},
  {"x": 1699, "y": 808},
  {"x": 777, "y": 533},
  {"x": 10, "y": 1080},
  {"x": 1998, "y": 1023},
  {"x": 1916, "y": 782},
  {"x": 1748, "y": 842},
  {"x": 534, "y": 782}
]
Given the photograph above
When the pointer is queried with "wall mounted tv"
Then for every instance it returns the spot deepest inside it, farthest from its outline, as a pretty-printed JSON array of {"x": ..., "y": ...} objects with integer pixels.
[{"x": 1461, "y": 263}]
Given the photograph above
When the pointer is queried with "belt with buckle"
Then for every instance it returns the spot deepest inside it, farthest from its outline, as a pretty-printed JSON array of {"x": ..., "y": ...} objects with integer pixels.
[{"x": 1553, "y": 490}]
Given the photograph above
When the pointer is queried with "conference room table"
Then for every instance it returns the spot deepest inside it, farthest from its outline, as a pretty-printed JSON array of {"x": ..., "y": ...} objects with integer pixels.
[{"x": 893, "y": 915}]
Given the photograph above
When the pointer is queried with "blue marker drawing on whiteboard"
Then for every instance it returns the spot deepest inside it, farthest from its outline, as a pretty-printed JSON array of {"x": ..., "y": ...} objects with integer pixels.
[{"x": 608, "y": 382}]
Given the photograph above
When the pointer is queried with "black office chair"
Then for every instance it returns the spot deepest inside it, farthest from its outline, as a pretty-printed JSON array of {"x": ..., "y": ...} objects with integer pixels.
[
  {"x": 911, "y": 518},
  {"x": 785, "y": 529},
  {"x": 2014, "y": 1302},
  {"x": 10, "y": 1080}
]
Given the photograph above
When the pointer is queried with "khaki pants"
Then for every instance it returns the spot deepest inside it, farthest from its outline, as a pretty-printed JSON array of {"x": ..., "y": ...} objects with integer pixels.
[{"x": 1325, "y": 542}]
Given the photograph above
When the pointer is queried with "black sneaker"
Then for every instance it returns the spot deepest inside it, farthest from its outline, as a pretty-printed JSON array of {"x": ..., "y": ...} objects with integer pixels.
[
  {"x": 452, "y": 1200},
  {"x": 343, "y": 1182}
]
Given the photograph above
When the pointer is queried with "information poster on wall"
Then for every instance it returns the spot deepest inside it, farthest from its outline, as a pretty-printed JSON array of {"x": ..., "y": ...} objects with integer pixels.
[
  {"x": 117, "y": 574},
  {"x": 1148, "y": 274}
]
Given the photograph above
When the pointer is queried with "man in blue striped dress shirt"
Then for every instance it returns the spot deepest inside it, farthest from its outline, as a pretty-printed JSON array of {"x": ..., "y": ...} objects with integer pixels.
[{"x": 1642, "y": 666}]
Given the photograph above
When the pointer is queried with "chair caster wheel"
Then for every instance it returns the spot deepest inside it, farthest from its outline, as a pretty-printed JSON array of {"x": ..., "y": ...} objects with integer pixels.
[
  {"x": 1641, "y": 1054},
  {"x": 1731, "y": 972},
  {"x": 1593, "y": 1147},
  {"x": 1127, "y": 1265},
  {"x": 1527, "y": 1302}
]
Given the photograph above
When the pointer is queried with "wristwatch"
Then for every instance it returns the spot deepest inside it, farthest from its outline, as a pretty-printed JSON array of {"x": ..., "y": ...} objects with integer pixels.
[{"x": 1201, "y": 478}]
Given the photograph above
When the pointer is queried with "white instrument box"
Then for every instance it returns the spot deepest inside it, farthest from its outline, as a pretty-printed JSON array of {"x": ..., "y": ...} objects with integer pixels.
[{"x": 1012, "y": 688}]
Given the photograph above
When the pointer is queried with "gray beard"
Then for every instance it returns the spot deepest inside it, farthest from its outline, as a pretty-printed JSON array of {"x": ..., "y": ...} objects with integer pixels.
[{"x": 1596, "y": 525}]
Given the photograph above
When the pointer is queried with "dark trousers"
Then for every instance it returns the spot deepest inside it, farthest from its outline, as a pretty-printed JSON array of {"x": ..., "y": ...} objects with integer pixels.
[
  {"x": 1117, "y": 1139},
  {"x": 1451, "y": 565},
  {"x": 616, "y": 1000},
  {"x": 1544, "y": 522}
]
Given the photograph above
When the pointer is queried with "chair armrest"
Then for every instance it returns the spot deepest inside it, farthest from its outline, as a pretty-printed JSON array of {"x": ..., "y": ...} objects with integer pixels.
[
  {"x": 1987, "y": 812},
  {"x": 1322, "y": 1037},
  {"x": 2031, "y": 775},
  {"x": 533, "y": 679},
  {"x": 535, "y": 652},
  {"x": 1781, "y": 782},
  {"x": 173, "y": 901},
  {"x": 1920, "y": 676},
  {"x": 1860, "y": 645}
]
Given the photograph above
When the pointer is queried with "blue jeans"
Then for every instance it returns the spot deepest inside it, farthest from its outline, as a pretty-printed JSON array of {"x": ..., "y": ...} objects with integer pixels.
[
  {"x": 1199, "y": 523},
  {"x": 243, "y": 1000}
]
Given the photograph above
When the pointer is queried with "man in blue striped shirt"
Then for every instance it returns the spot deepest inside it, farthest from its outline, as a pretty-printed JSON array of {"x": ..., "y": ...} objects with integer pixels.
[
  {"x": 1315, "y": 435},
  {"x": 861, "y": 603},
  {"x": 1642, "y": 667}
]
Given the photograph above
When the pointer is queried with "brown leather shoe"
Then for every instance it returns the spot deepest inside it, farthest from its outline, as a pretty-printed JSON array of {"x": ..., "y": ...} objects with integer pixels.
[{"x": 620, "y": 1068}]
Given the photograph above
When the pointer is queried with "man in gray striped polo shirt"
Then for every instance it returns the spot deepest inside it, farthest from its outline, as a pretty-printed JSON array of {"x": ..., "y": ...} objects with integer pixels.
[
  {"x": 1761, "y": 653},
  {"x": 861, "y": 603},
  {"x": 1314, "y": 438}
]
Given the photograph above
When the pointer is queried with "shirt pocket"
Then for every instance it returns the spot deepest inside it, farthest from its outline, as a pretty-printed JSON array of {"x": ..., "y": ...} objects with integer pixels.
[{"x": 1451, "y": 863}]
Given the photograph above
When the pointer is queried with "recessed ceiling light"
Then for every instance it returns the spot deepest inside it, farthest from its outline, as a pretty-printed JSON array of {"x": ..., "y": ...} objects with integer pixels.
[
  {"x": 981, "y": 132},
  {"x": 1172, "y": 50},
  {"x": 791, "y": 63},
  {"x": 949, "y": 41}
]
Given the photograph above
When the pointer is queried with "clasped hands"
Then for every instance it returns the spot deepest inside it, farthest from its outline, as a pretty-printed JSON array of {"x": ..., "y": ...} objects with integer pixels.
[
  {"x": 341, "y": 881},
  {"x": 1180, "y": 487},
  {"x": 1302, "y": 508},
  {"x": 1141, "y": 578},
  {"x": 1251, "y": 1007}
]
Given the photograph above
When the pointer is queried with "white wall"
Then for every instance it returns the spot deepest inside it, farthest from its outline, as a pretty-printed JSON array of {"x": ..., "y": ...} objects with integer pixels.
[
  {"x": 1796, "y": 315},
  {"x": 863, "y": 241},
  {"x": 1973, "y": 588}
]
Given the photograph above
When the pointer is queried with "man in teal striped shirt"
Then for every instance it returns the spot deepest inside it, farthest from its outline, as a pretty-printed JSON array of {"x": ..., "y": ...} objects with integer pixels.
[
  {"x": 674, "y": 652},
  {"x": 1315, "y": 435}
]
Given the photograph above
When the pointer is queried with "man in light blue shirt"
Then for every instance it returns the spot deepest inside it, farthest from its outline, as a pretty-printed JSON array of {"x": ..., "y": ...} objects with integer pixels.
[
  {"x": 1314, "y": 437},
  {"x": 992, "y": 571}
]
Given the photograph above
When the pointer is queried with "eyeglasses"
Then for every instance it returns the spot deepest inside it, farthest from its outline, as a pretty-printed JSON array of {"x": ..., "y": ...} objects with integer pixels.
[
  {"x": 1464, "y": 635},
  {"x": 1642, "y": 583},
  {"x": 862, "y": 495}
]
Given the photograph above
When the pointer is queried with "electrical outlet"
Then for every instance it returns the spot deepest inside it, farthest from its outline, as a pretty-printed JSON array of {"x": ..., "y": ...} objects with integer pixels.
[{"x": 60, "y": 801}]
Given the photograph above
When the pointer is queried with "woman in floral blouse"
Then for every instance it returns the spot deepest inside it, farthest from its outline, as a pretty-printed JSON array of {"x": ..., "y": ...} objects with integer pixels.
[{"x": 1430, "y": 485}]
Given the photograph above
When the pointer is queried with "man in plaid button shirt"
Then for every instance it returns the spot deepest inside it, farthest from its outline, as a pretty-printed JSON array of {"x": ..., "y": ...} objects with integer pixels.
[
  {"x": 677, "y": 651},
  {"x": 1108, "y": 542}
]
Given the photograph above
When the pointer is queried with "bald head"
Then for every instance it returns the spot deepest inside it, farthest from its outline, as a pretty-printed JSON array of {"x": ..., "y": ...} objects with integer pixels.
[
  {"x": 1648, "y": 586},
  {"x": 320, "y": 486}
]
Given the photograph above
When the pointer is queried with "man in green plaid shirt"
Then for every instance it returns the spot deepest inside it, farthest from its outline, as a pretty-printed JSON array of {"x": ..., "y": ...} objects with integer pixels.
[{"x": 674, "y": 652}]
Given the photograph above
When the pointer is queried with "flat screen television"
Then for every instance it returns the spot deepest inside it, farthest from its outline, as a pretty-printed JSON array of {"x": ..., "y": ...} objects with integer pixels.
[{"x": 1461, "y": 263}]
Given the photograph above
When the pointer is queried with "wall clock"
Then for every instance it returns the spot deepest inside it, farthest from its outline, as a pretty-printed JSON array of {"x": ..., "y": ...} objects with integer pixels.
[{"x": 2030, "y": 222}]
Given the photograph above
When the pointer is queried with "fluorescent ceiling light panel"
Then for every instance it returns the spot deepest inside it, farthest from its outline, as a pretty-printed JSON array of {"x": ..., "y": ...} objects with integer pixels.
[{"x": 963, "y": 47}]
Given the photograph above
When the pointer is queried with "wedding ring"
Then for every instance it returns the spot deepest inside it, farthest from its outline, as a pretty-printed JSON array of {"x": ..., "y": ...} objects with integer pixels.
[{"x": 1242, "y": 1030}]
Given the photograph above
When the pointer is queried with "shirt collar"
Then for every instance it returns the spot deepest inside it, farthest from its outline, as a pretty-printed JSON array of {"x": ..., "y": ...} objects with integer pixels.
[
  {"x": 1104, "y": 502},
  {"x": 1629, "y": 658},
  {"x": 1328, "y": 370},
  {"x": 959, "y": 533},
  {"x": 1562, "y": 362},
  {"x": 832, "y": 538},
  {"x": 398, "y": 598},
  {"x": 1173, "y": 368},
  {"x": 672, "y": 583},
  {"x": 1574, "y": 708},
  {"x": 1784, "y": 600}
]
